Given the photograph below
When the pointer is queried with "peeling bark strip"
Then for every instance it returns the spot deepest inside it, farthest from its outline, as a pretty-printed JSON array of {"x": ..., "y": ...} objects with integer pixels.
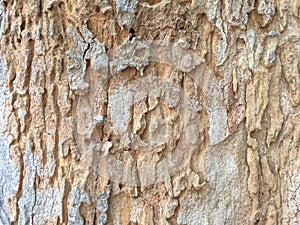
[{"x": 106, "y": 59}]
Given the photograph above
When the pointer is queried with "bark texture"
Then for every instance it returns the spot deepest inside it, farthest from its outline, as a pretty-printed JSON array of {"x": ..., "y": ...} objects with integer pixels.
[{"x": 243, "y": 161}]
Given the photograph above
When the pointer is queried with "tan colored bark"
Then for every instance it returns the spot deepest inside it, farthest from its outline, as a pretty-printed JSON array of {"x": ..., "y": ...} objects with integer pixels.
[{"x": 62, "y": 108}]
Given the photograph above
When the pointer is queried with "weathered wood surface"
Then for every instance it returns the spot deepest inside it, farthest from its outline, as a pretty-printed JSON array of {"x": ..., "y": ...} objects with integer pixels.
[{"x": 90, "y": 97}]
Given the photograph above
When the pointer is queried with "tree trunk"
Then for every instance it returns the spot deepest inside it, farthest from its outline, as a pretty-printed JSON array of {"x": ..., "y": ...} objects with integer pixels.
[{"x": 150, "y": 112}]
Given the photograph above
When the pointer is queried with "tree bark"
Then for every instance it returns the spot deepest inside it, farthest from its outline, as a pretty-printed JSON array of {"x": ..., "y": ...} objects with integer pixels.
[{"x": 150, "y": 112}]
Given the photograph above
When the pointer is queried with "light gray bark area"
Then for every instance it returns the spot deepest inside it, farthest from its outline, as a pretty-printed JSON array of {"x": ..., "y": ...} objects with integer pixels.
[{"x": 9, "y": 172}]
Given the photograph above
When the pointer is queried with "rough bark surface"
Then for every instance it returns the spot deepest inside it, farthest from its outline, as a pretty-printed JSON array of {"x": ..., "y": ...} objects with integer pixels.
[{"x": 243, "y": 165}]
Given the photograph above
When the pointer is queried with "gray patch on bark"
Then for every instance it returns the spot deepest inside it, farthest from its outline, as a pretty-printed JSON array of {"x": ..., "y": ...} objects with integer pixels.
[
  {"x": 84, "y": 46},
  {"x": 102, "y": 203},
  {"x": 48, "y": 206},
  {"x": 126, "y": 11},
  {"x": 27, "y": 202},
  {"x": 225, "y": 175},
  {"x": 8, "y": 171},
  {"x": 75, "y": 198},
  {"x": 3, "y": 18}
]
